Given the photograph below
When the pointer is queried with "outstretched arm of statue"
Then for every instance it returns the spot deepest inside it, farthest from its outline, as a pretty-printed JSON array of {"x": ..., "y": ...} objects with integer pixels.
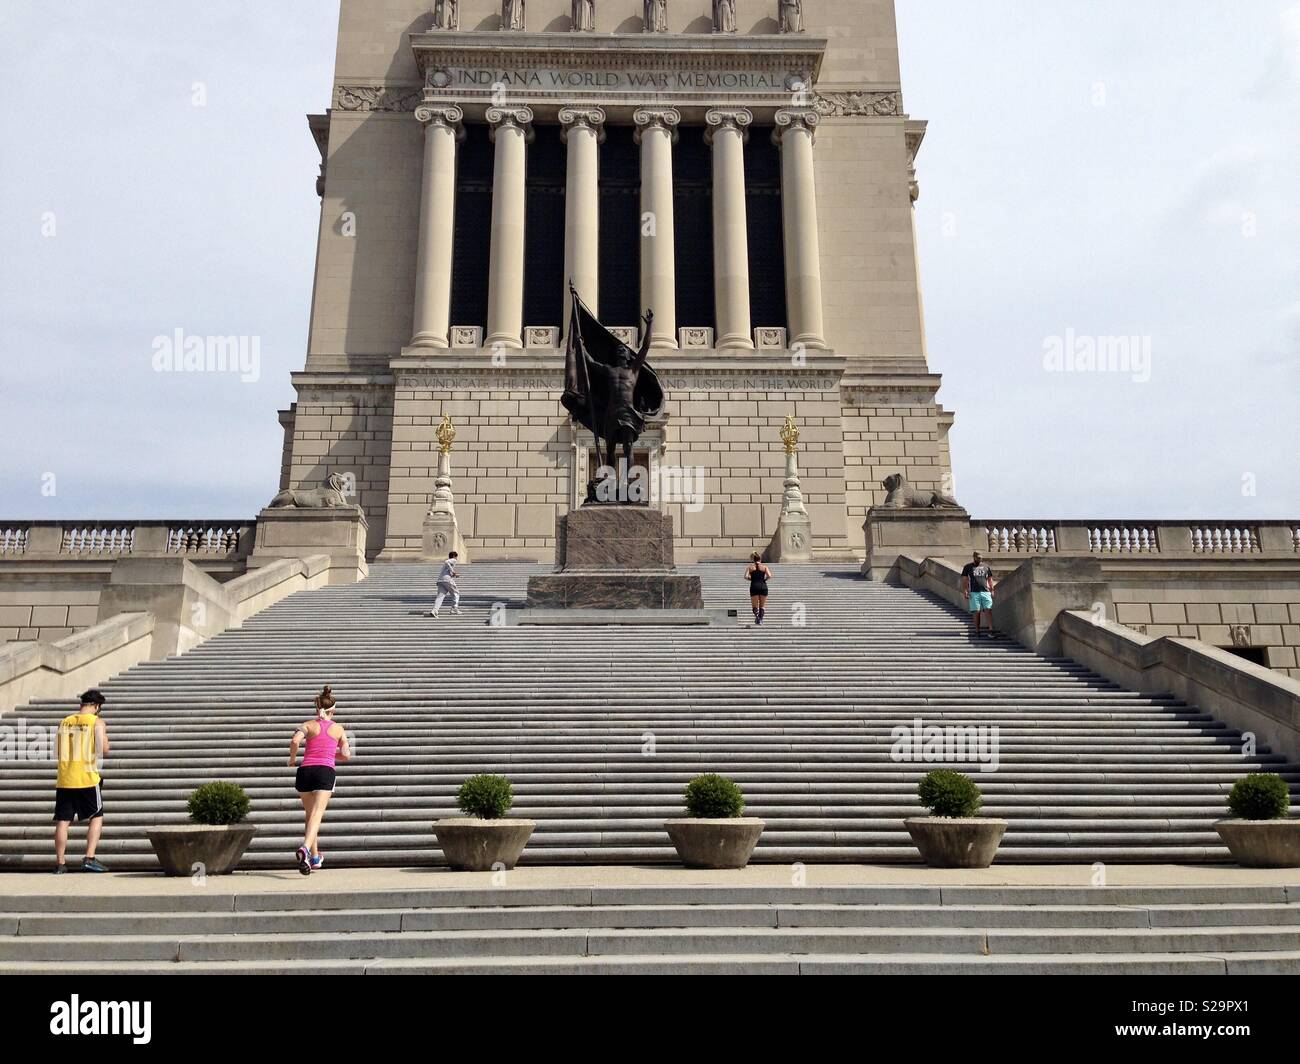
[{"x": 646, "y": 334}]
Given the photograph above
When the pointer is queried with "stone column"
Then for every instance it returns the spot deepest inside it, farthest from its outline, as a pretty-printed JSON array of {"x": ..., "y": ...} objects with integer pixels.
[
  {"x": 803, "y": 272},
  {"x": 510, "y": 130},
  {"x": 726, "y": 134},
  {"x": 656, "y": 133},
  {"x": 442, "y": 132},
  {"x": 582, "y": 129}
]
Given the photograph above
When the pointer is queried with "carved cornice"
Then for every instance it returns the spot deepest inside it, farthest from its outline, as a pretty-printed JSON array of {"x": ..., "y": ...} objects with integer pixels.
[{"x": 859, "y": 103}]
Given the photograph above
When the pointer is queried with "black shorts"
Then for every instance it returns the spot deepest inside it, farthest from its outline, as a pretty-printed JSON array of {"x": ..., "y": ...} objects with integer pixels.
[
  {"x": 758, "y": 589},
  {"x": 312, "y": 778},
  {"x": 75, "y": 804}
]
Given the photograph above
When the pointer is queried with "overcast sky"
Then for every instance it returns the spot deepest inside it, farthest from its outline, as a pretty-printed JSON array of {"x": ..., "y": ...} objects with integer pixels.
[{"x": 1092, "y": 171}]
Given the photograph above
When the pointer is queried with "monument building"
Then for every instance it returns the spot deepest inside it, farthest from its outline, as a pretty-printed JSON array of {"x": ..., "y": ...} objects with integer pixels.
[{"x": 744, "y": 169}]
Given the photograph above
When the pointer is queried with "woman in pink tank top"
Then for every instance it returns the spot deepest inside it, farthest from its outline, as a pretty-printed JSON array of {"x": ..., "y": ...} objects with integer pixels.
[{"x": 327, "y": 742}]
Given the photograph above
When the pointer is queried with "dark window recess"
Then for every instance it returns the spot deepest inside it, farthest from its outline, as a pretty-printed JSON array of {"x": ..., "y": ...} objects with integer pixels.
[
  {"x": 766, "y": 229},
  {"x": 473, "y": 237},
  {"x": 544, "y": 280},
  {"x": 1258, "y": 655},
  {"x": 620, "y": 228},
  {"x": 693, "y": 207}
]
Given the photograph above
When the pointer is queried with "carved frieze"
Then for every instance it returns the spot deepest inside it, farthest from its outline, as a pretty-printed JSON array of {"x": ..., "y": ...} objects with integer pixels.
[
  {"x": 377, "y": 98},
  {"x": 858, "y": 104}
]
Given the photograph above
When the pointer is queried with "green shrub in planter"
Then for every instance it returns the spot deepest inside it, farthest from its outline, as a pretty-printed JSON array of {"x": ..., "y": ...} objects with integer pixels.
[
  {"x": 714, "y": 797},
  {"x": 218, "y": 803},
  {"x": 486, "y": 797},
  {"x": 1260, "y": 796},
  {"x": 949, "y": 794}
]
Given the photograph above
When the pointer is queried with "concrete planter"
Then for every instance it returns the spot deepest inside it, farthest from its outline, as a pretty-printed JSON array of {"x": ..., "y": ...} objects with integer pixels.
[
  {"x": 1262, "y": 843},
  {"x": 704, "y": 843},
  {"x": 956, "y": 842},
  {"x": 212, "y": 849},
  {"x": 473, "y": 845}
]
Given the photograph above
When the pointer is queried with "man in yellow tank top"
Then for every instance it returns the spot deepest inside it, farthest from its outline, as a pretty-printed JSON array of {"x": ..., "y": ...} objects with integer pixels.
[{"x": 83, "y": 742}]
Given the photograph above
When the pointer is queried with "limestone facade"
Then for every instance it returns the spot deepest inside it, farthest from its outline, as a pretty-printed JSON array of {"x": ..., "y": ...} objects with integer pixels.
[{"x": 841, "y": 347}]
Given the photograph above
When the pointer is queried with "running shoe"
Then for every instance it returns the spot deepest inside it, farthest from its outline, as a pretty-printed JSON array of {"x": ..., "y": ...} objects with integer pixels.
[
  {"x": 316, "y": 862},
  {"x": 304, "y": 860},
  {"x": 60, "y": 869},
  {"x": 91, "y": 865}
]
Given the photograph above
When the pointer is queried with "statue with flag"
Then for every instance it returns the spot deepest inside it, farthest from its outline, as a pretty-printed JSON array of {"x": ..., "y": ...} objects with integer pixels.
[{"x": 609, "y": 389}]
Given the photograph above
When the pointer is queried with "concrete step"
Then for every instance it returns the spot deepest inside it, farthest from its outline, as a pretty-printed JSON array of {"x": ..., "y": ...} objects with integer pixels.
[{"x": 804, "y": 722}]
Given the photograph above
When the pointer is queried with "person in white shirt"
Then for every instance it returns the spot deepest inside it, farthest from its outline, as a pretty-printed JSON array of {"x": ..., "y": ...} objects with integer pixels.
[{"x": 447, "y": 586}]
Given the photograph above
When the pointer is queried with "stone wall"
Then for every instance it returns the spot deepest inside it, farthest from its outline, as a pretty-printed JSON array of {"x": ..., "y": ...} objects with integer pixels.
[
  {"x": 49, "y": 609},
  {"x": 1224, "y": 612}
]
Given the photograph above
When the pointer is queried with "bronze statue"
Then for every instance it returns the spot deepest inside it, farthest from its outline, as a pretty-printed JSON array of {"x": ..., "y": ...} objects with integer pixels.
[{"x": 609, "y": 388}]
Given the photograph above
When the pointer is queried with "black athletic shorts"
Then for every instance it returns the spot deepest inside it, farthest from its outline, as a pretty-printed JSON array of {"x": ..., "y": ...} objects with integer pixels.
[
  {"x": 312, "y": 778},
  {"x": 75, "y": 804}
]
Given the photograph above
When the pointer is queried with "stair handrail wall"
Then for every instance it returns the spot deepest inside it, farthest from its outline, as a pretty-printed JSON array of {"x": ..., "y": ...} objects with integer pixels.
[
  {"x": 1246, "y": 696},
  {"x": 125, "y": 638}
]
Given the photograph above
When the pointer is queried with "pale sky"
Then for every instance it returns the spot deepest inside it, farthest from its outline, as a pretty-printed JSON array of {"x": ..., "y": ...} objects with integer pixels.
[{"x": 1092, "y": 171}]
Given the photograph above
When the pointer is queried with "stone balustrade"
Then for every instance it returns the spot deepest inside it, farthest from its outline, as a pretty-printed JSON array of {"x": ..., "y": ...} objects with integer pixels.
[
  {"x": 1219, "y": 539},
  {"x": 46, "y": 540}
]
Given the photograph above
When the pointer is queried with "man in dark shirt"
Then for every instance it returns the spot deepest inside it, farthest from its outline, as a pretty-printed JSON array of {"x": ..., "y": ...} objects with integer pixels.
[{"x": 977, "y": 585}]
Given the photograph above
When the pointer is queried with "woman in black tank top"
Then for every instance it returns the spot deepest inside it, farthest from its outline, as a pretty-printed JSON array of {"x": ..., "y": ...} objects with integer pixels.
[{"x": 758, "y": 575}]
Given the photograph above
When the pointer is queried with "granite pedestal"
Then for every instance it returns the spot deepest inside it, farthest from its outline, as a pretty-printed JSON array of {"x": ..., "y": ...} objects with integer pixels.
[{"x": 615, "y": 557}]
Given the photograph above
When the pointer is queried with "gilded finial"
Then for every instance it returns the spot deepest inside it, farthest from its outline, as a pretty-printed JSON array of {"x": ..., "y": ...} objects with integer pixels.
[
  {"x": 790, "y": 435},
  {"x": 446, "y": 434}
]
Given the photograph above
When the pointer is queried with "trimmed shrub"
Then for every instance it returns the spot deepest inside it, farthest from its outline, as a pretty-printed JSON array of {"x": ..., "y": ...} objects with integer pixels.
[
  {"x": 486, "y": 797},
  {"x": 714, "y": 797},
  {"x": 1260, "y": 796},
  {"x": 949, "y": 794},
  {"x": 218, "y": 803}
]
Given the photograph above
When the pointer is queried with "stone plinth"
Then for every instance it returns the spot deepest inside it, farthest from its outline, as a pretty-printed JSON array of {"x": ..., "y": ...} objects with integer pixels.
[
  {"x": 303, "y": 532},
  {"x": 615, "y": 537},
  {"x": 919, "y": 532},
  {"x": 615, "y": 558}
]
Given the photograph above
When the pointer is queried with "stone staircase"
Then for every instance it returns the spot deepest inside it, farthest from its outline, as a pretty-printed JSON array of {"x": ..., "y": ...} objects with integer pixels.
[
  {"x": 885, "y": 930},
  {"x": 600, "y": 728}
]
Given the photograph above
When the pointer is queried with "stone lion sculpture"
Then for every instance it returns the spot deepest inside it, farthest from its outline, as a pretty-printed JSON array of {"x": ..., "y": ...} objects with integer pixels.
[
  {"x": 901, "y": 496},
  {"x": 331, "y": 496}
]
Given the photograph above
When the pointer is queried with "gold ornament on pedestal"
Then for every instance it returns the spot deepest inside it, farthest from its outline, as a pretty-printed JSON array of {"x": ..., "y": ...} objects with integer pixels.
[
  {"x": 446, "y": 434},
  {"x": 790, "y": 434}
]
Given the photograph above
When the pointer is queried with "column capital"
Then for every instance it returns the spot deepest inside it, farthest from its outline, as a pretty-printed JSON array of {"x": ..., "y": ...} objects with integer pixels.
[
  {"x": 592, "y": 118},
  {"x": 795, "y": 119},
  {"x": 720, "y": 118},
  {"x": 443, "y": 115},
  {"x": 520, "y": 118},
  {"x": 668, "y": 118}
]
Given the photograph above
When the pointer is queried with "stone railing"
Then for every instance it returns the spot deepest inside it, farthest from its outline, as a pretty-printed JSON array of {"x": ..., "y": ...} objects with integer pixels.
[
  {"x": 1219, "y": 539},
  {"x": 156, "y": 608},
  {"x": 117, "y": 539}
]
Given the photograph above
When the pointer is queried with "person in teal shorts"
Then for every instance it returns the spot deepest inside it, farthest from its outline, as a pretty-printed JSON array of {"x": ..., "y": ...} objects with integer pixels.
[{"x": 977, "y": 585}]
